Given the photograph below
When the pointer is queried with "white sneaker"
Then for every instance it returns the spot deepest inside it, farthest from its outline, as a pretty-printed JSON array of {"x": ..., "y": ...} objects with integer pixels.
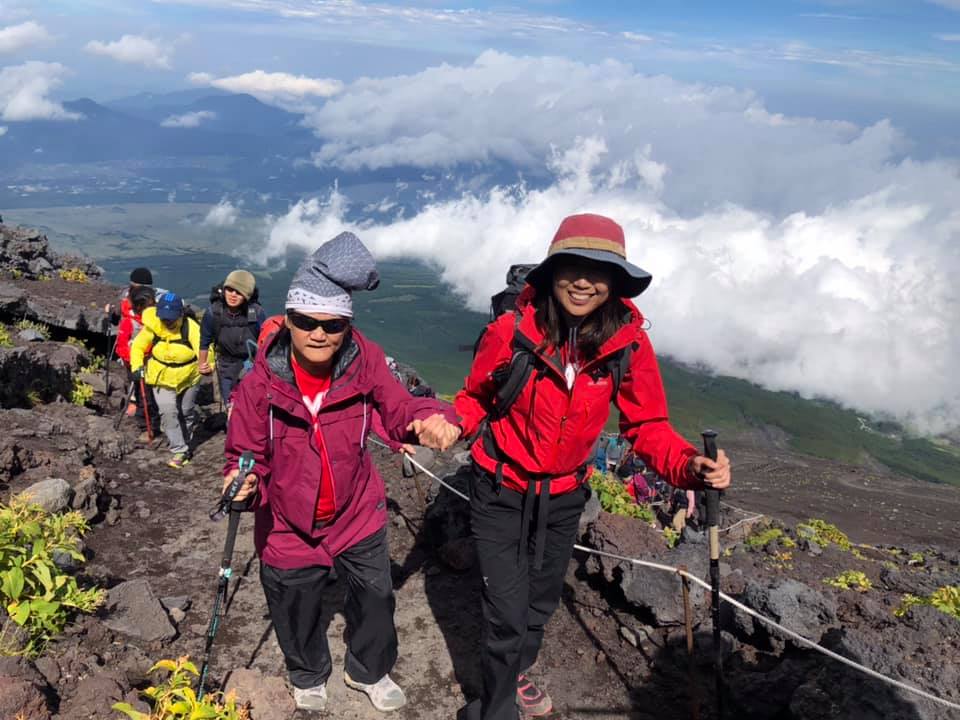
[
  {"x": 314, "y": 698},
  {"x": 385, "y": 694}
]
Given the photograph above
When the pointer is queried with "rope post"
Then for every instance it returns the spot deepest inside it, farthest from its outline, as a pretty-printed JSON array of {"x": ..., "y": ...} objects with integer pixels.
[
  {"x": 713, "y": 520},
  {"x": 688, "y": 623}
]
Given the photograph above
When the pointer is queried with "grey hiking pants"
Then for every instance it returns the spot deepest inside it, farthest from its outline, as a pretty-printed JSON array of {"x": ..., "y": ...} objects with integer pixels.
[{"x": 177, "y": 416}]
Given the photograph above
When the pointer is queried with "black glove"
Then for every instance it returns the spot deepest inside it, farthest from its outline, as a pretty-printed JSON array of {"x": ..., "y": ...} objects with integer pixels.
[{"x": 139, "y": 374}]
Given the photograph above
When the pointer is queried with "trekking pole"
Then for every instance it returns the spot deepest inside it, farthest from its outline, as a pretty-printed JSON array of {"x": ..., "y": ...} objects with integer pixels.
[
  {"x": 123, "y": 408},
  {"x": 146, "y": 409},
  {"x": 224, "y": 506},
  {"x": 106, "y": 365},
  {"x": 713, "y": 519}
]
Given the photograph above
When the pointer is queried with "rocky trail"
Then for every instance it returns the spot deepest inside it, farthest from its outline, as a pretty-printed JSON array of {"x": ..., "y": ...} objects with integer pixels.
[{"x": 616, "y": 647}]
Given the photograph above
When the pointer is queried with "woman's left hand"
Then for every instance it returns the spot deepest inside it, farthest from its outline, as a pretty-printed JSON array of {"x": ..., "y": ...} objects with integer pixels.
[
  {"x": 435, "y": 432},
  {"x": 715, "y": 473}
]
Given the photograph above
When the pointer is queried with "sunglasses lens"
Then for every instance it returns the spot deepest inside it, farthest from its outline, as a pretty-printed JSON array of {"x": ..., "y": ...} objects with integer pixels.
[{"x": 309, "y": 324}]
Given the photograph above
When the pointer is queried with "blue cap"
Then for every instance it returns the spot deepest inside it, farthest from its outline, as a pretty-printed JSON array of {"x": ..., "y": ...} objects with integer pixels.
[{"x": 170, "y": 307}]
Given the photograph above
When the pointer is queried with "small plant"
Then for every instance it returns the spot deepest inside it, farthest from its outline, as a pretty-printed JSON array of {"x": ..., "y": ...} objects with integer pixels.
[
  {"x": 916, "y": 559},
  {"x": 671, "y": 536},
  {"x": 76, "y": 342},
  {"x": 945, "y": 599},
  {"x": 38, "y": 595},
  {"x": 850, "y": 580},
  {"x": 35, "y": 326},
  {"x": 75, "y": 275},
  {"x": 94, "y": 366},
  {"x": 5, "y": 337},
  {"x": 16, "y": 273},
  {"x": 175, "y": 699},
  {"x": 823, "y": 533},
  {"x": 82, "y": 392},
  {"x": 858, "y": 554},
  {"x": 615, "y": 499},
  {"x": 34, "y": 398},
  {"x": 760, "y": 539}
]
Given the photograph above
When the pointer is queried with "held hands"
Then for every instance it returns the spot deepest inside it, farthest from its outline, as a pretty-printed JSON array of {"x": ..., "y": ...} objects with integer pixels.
[
  {"x": 204, "y": 368},
  {"x": 715, "y": 473},
  {"x": 435, "y": 432},
  {"x": 248, "y": 488}
]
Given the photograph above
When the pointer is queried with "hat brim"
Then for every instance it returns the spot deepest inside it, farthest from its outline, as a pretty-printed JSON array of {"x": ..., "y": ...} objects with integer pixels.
[
  {"x": 169, "y": 314},
  {"x": 632, "y": 279}
]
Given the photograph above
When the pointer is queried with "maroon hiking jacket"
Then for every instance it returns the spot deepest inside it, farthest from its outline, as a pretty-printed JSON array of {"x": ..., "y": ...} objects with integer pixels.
[{"x": 270, "y": 419}]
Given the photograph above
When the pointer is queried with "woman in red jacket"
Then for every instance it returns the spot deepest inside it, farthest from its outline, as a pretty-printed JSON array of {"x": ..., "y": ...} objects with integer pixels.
[
  {"x": 305, "y": 411},
  {"x": 531, "y": 460}
]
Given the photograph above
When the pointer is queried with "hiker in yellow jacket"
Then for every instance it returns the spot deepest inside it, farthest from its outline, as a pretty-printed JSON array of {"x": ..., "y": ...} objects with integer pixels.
[{"x": 171, "y": 369}]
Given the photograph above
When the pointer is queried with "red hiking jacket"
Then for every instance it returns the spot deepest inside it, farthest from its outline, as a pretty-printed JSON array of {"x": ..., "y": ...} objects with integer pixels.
[
  {"x": 270, "y": 419},
  {"x": 550, "y": 430}
]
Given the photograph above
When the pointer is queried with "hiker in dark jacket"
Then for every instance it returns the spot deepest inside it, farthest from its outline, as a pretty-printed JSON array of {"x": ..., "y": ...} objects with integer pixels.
[
  {"x": 529, "y": 488},
  {"x": 305, "y": 412},
  {"x": 232, "y": 324}
]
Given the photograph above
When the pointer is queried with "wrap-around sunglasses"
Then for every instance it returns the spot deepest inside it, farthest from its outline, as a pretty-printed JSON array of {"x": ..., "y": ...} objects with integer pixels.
[{"x": 333, "y": 326}]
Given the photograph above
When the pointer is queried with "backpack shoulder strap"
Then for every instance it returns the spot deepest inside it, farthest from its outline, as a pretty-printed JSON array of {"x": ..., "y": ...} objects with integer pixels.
[
  {"x": 513, "y": 378},
  {"x": 619, "y": 366}
]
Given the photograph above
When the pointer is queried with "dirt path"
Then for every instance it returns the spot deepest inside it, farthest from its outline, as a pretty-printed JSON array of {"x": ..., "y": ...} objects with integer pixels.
[{"x": 178, "y": 548}]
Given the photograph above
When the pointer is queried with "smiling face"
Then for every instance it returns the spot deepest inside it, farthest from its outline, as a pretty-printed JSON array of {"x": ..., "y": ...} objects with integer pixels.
[
  {"x": 233, "y": 298},
  {"x": 581, "y": 286},
  {"x": 315, "y": 348}
]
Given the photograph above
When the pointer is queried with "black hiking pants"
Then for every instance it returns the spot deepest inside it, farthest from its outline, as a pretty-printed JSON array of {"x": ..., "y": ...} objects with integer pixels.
[
  {"x": 294, "y": 600},
  {"x": 518, "y": 599}
]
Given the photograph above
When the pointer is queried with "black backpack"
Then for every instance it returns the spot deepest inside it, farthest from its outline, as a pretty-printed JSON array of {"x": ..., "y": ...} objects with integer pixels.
[
  {"x": 217, "y": 305},
  {"x": 506, "y": 299}
]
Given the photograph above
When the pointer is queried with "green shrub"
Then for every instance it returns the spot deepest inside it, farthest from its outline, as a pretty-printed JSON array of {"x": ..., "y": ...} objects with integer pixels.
[
  {"x": 175, "y": 699},
  {"x": 73, "y": 275},
  {"x": 615, "y": 499},
  {"x": 916, "y": 559},
  {"x": 850, "y": 580},
  {"x": 823, "y": 533},
  {"x": 38, "y": 595},
  {"x": 671, "y": 536},
  {"x": 945, "y": 599},
  {"x": 761, "y": 538},
  {"x": 82, "y": 392},
  {"x": 5, "y": 337}
]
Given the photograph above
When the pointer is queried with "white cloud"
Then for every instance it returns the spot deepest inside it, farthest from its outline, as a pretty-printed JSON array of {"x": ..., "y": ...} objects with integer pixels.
[
  {"x": 188, "y": 120},
  {"x": 951, "y": 4},
  {"x": 3, "y": 130},
  {"x": 134, "y": 50},
  {"x": 273, "y": 87},
  {"x": 637, "y": 37},
  {"x": 948, "y": 37},
  {"x": 24, "y": 89},
  {"x": 802, "y": 254},
  {"x": 17, "y": 37},
  {"x": 223, "y": 214}
]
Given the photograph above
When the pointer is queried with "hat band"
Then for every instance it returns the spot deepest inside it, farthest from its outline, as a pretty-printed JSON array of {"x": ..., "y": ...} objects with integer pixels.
[{"x": 587, "y": 243}]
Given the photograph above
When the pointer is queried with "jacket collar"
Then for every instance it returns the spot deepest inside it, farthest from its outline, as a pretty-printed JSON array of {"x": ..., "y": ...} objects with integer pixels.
[
  {"x": 528, "y": 328},
  {"x": 277, "y": 359}
]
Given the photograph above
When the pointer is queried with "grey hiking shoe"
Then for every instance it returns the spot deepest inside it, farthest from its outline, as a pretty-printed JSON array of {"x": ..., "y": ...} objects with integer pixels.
[
  {"x": 385, "y": 694},
  {"x": 314, "y": 698}
]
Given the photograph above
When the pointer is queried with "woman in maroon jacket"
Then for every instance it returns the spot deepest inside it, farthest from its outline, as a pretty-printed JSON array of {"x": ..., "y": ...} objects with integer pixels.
[
  {"x": 531, "y": 460},
  {"x": 305, "y": 411}
]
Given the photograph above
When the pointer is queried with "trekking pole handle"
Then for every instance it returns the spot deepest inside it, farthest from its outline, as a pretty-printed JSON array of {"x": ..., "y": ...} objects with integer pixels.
[
  {"x": 713, "y": 496},
  {"x": 245, "y": 467}
]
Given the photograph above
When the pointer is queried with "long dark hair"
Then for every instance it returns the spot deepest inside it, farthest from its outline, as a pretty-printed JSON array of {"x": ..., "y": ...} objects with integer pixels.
[{"x": 598, "y": 327}]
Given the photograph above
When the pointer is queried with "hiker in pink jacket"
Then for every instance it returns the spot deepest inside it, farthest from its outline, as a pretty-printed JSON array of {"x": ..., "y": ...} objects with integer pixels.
[{"x": 305, "y": 411}]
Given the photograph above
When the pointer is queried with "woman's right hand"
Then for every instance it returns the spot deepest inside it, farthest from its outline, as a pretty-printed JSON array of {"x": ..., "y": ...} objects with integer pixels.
[{"x": 248, "y": 488}]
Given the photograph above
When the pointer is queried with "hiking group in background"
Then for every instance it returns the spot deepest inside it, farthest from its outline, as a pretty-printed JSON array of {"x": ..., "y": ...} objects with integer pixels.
[{"x": 303, "y": 391}]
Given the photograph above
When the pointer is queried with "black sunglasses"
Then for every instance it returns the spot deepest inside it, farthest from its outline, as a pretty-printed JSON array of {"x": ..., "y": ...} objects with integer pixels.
[
  {"x": 227, "y": 288},
  {"x": 334, "y": 326}
]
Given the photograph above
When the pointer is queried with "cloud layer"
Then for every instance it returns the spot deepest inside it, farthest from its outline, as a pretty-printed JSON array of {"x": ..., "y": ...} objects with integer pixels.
[
  {"x": 801, "y": 254},
  {"x": 271, "y": 87},
  {"x": 24, "y": 90},
  {"x": 17, "y": 37},
  {"x": 223, "y": 214},
  {"x": 189, "y": 120},
  {"x": 134, "y": 50}
]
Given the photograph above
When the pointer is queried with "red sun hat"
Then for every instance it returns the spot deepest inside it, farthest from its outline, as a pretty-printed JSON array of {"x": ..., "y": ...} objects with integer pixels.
[{"x": 596, "y": 238}]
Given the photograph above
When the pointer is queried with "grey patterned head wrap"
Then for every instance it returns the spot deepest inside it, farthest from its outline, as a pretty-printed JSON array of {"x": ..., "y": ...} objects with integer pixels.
[{"x": 325, "y": 280}]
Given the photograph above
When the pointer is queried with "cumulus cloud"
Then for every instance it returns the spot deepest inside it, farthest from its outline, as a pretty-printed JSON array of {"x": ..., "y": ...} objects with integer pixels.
[
  {"x": 719, "y": 144},
  {"x": 24, "y": 89},
  {"x": 271, "y": 87},
  {"x": 188, "y": 120},
  {"x": 17, "y": 37},
  {"x": 3, "y": 130},
  {"x": 134, "y": 50},
  {"x": 801, "y": 254},
  {"x": 223, "y": 214}
]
